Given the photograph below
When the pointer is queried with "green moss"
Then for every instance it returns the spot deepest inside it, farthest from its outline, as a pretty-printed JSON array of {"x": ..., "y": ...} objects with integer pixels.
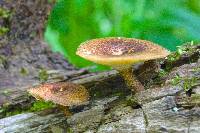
[
  {"x": 1, "y": 110},
  {"x": 162, "y": 73},
  {"x": 6, "y": 105},
  {"x": 185, "y": 82},
  {"x": 186, "y": 49},
  {"x": 174, "y": 57},
  {"x": 6, "y": 111},
  {"x": 6, "y": 92},
  {"x": 14, "y": 113},
  {"x": 177, "y": 54},
  {"x": 3, "y": 30},
  {"x": 160, "y": 77},
  {"x": 37, "y": 106},
  {"x": 40, "y": 105},
  {"x": 188, "y": 83},
  {"x": 51, "y": 1},
  {"x": 69, "y": 130},
  {"x": 180, "y": 51},
  {"x": 197, "y": 69},
  {"x": 131, "y": 101},
  {"x": 2, "y": 59},
  {"x": 176, "y": 80},
  {"x": 23, "y": 71},
  {"x": 4, "y": 13},
  {"x": 43, "y": 75}
]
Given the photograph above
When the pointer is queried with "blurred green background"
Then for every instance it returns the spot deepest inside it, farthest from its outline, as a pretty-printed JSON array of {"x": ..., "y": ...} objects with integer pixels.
[{"x": 166, "y": 22}]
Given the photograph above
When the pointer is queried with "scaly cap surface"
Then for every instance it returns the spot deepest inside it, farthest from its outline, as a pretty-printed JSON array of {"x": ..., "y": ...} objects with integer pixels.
[
  {"x": 115, "y": 51},
  {"x": 63, "y": 93}
]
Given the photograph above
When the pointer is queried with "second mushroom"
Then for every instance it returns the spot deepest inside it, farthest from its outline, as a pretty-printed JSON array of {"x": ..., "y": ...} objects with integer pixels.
[{"x": 64, "y": 94}]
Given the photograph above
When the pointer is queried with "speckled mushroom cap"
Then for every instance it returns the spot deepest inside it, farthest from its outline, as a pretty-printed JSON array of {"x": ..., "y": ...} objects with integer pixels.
[
  {"x": 63, "y": 93},
  {"x": 115, "y": 51}
]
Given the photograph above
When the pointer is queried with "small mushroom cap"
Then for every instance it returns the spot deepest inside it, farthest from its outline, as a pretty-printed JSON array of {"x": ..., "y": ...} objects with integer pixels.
[
  {"x": 115, "y": 51},
  {"x": 63, "y": 93}
]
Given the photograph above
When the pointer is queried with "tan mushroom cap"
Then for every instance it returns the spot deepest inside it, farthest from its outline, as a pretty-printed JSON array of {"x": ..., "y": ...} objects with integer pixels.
[
  {"x": 114, "y": 51},
  {"x": 65, "y": 93}
]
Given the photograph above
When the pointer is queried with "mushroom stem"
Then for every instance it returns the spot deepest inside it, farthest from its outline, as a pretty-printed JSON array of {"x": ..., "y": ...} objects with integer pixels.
[
  {"x": 65, "y": 110},
  {"x": 132, "y": 82}
]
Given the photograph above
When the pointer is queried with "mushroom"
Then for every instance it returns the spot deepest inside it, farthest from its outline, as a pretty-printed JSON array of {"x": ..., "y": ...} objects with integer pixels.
[
  {"x": 121, "y": 53},
  {"x": 65, "y": 94}
]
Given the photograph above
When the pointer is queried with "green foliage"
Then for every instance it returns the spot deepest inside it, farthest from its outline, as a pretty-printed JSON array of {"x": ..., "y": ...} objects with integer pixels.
[
  {"x": 2, "y": 59},
  {"x": 168, "y": 23},
  {"x": 69, "y": 130},
  {"x": 11, "y": 113},
  {"x": 162, "y": 73},
  {"x": 3, "y": 30},
  {"x": 40, "y": 105},
  {"x": 37, "y": 106},
  {"x": 185, "y": 49},
  {"x": 176, "y": 80},
  {"x": 43, "y": 75},
  {"x": 197, "y": 69},
  {"x": 23, "y": 71},
  {"x": 188, "y": 83},
  {"x": 185, "y": 82},
  {"x": 4, "y": 14}
]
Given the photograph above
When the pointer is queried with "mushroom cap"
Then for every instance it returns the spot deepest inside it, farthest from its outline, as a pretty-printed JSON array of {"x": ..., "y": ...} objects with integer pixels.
[
  {"x": 116, "y": 51},
  {"x": 63, "y": 93}
]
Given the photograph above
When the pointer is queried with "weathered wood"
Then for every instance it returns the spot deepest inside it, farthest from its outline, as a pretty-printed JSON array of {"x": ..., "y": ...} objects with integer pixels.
[
  {"x": 53, "y": 121},
  {"x": 31, "y": 122},
  {"x": 160, "y": 111}
]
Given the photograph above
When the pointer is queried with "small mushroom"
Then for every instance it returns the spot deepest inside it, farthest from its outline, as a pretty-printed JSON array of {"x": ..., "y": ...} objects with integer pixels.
[
  {"x": 65, "y": 94},
  {"x": 121, "y": 53}
]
